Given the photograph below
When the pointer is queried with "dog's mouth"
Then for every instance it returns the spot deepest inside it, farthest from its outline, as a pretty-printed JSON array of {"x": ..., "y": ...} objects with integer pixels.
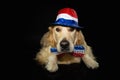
[
  {"x": 77, "y": 51},
  {"x": 64, "y": 50}
]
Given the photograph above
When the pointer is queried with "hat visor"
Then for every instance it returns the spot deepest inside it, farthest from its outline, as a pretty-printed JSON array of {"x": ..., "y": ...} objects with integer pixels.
[{"x": 66, "y": 25}]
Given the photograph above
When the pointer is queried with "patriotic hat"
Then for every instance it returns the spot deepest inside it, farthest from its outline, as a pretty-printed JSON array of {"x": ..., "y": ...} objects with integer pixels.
[{"x": 67, "y": 17}]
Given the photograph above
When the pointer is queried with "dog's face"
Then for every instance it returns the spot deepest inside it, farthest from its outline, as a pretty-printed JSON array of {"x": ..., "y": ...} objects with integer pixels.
[{"x": 64, "y": 37}]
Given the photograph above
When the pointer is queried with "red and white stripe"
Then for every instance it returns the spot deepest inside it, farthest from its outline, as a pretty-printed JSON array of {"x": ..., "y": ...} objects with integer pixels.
[{"x": 66, "y": 16}]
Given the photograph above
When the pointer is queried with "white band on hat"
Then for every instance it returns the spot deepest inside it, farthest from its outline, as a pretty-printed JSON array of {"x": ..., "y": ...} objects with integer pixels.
[{"x": 66, "y": 16}]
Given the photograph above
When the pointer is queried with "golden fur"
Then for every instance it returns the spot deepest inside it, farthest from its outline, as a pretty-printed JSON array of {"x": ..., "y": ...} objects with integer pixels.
[{"x": 53, "y": 37}]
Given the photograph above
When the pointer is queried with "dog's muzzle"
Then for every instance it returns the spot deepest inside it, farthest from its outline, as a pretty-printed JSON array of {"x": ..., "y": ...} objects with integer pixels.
[{"x": 65, "y": 46}]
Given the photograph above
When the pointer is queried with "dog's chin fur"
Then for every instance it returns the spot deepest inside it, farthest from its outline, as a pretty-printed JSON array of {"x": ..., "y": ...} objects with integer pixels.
[{"x": 51, "y": 61}]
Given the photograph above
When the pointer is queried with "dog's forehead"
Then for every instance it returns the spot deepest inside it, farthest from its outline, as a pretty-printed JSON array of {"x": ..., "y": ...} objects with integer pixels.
[{"x": 66, "y": 27}]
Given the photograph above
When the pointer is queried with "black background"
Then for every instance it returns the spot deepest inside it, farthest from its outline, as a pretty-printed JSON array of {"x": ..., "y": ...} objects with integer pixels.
[{"x": 32, "y": 21}]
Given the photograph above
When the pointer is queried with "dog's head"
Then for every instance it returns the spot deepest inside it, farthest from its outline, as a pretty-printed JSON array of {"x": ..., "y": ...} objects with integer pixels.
[{"x": 63, "y": 38}]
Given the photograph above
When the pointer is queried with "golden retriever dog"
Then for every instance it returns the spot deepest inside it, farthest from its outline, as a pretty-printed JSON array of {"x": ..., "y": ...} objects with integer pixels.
[{"x": 63, "y": 39}]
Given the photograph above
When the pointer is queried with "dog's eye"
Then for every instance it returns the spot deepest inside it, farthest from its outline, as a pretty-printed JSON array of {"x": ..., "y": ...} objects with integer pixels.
[
  {"x": 58, "y": 29},
  {"x": 71, "y": 29}
]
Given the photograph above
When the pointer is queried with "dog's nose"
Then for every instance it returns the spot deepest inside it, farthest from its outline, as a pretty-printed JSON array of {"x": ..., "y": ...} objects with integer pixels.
[{"x": 64, "y": 44}]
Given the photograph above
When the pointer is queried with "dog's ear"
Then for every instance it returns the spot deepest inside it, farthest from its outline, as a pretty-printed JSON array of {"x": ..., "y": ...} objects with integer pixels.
[
  {"x": 51, "y": 37},
  {"x": 79, "y": 38},
  {"x": 48, "y": 39}
]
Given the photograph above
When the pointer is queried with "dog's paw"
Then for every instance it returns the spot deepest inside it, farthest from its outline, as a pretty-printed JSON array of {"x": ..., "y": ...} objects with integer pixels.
[
  {"x": 92, "y": 64},
  {"x": 51, "y": 67}
]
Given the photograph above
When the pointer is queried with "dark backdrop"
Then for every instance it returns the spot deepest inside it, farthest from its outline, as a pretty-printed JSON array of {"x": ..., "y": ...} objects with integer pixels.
[{"x": 97, "y": 19}]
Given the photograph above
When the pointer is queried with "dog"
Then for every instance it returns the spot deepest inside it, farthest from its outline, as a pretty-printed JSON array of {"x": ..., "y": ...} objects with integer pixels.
[
  {"x": 64, "y": 43},
  {"x": 64, "y": 39}
]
